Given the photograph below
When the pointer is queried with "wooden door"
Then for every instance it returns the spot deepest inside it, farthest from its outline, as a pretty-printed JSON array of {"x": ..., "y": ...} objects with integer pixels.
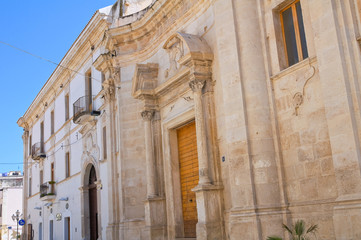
[
  {"x": 30, "y": 232},
  {"x": 93, "y": 202},
  {"x": 67, "y": 228},
  {"x": 188, "y": 167}
]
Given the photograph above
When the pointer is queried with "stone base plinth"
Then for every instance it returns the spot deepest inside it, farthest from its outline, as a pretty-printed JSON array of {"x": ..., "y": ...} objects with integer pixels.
[
  {"x": 347, "y": 218},
  {"x": 155, "y": 219},
  {"x": 209, "y": 208}
]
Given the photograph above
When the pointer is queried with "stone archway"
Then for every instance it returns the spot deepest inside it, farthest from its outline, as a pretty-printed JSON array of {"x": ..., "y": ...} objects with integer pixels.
[{"x": 90, "y": 199}]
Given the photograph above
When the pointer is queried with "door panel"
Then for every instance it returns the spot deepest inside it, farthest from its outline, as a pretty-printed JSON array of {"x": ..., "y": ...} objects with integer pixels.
[{"x": 188, "y": 167}]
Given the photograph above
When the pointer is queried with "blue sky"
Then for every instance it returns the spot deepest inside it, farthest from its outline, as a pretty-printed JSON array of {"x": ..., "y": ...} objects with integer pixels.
[{"x": 47, "y": 29}]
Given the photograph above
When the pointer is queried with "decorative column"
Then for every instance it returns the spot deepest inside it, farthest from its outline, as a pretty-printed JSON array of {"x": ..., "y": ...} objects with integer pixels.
[
  {"x": 147, "y": 116},
  {"x": 208, "y": 195},
  {"x": 114, "y": 202},
  {"x": 84, "y": 198},
  {"x": 26, "y": 147},
  {"x": 196, "y": 86},
  {"x": 154, "y": 205}
]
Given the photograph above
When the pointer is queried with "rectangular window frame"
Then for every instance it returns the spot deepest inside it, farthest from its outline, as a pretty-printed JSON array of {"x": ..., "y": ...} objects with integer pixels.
[
  {"x": 89, "y": 89},
  {"x": 301, "y": 57},
  {"x": 67, "y": 164},
  {"x": 41, "y": 176},
  {"x": 52, "y": 122},
  {"x": 66, "y": 99},
  {"x": 105, "y": 155},
  {"x": 30, "y": 186},
  {"x": 30, "y": 143},
  {"x": 42, "y": 136}
]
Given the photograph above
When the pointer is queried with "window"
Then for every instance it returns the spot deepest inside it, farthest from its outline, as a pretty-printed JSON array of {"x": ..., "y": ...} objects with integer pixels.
[
  {"x": 52, "y": 178},
  {"x": 1, "y": 210},
  {"x": 41, "y": 177},
  {"x": 67, "y": 164},
  {"x": 293, "y": 33},
  {"x": 30, "y": 143},
  {"x": 88, "y": 89},
  {"x": 29, "y": 186},
  {"x": 40, "y": 231},
  {"x": 104, "y": 142},
  {"x": 52, "y": 122},
  {"x": 51, "y": 230},
  {"x": 67, "y": 107},
  {"x": 42, "y": 135}
]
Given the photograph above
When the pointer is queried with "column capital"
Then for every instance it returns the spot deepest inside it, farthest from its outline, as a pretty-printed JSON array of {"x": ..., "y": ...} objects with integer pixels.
[
  {"x": 197, "y": 84},
  {"x": 147, "y": 115},
  {"x": 25, "y": 135},
  {"x": 108, "y": 90}
]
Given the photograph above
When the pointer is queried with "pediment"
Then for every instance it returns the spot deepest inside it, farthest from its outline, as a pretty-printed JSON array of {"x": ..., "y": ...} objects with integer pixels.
[
  {"x": 184, "y": 50},
  {"x": 189, "y": 44}
]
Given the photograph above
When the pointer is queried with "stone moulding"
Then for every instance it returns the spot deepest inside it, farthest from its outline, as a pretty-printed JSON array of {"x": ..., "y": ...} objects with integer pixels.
[{"x": 186, "y": 52}]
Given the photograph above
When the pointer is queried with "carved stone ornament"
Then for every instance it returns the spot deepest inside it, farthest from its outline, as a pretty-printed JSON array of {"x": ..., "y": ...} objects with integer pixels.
[
  {"x": 147, "y": 115},
  {"x": 298, "y": 92},
  {"x": 196, "y": 85},
  {"x": 115, "y": 74},
  {"x": 108, "y": 89},
  {"x": 175, "y": 50},
  {"x": 297, "y": 101},
  {"x": 90, "y": 148}
]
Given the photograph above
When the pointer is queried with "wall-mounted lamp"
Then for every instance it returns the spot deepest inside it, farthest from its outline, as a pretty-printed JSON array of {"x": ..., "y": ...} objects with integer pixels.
[{"x": 64, "y": 199}]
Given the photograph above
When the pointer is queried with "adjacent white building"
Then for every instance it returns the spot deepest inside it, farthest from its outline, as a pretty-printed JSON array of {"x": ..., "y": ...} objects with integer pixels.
[{"x": 11, "y": 200}]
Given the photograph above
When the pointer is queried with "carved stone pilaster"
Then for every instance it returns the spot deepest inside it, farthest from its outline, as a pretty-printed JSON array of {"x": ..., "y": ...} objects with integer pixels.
[
  {"x": 25, "y": 135},
  {"x": 115, "y": 74},
  {"x": 197, "y": 85},
  {"x": 147, "y": 115},
  {"x": 109, "y": 90}
]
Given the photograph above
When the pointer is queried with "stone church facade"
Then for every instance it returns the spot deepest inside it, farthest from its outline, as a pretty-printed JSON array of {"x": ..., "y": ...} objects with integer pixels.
[{"x": 213, "y": 119}]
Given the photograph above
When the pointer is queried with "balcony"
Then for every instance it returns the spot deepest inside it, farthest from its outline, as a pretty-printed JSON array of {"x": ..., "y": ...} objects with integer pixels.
[
  {"x": 83, "y": 109},
  {"x": 37, "y": 151},
  {"x": 47, "y": 191}
]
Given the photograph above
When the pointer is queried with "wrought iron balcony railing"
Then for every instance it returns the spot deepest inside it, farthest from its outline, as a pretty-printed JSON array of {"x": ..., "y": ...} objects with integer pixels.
[
  {"x": 47, "y": 190},
  {"x": 37, "y": 151},
  {"x": 84, "y": 106}
]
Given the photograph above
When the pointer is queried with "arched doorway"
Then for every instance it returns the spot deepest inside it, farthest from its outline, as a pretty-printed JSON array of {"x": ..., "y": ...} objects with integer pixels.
[{"x": 93, "y": 209}]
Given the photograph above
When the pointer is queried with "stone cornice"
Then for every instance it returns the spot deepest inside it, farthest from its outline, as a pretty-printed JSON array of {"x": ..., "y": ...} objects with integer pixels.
[{"x": 92, "y": 34}]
